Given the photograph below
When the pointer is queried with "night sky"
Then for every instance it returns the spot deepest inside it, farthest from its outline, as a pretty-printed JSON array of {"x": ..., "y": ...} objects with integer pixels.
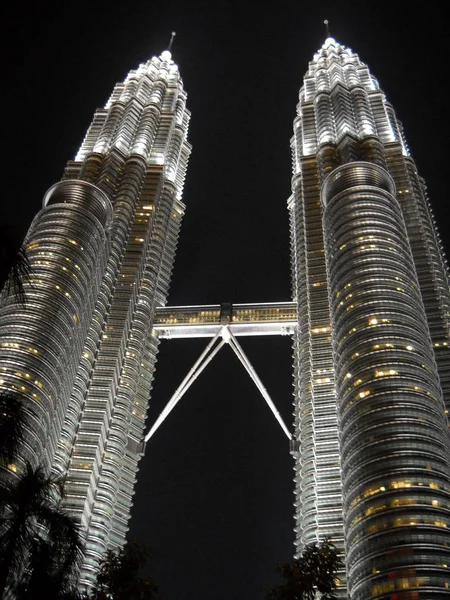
[{"x": 214, "y": 497}]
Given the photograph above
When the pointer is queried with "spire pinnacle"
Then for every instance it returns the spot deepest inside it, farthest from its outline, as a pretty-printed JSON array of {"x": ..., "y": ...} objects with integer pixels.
[
  {"x": 169, "y": 47},
  {"x": 327, "y": 27}
]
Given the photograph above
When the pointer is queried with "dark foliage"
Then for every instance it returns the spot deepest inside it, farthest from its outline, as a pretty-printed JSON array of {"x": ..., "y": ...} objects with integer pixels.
[
  {"x": 11, "y": 427},
  {"x": 40, "y": 546},
  {"x": 15, "y": 268},
  {"x": 119, "y": 576},
  {"x": 315, "y": 571}
]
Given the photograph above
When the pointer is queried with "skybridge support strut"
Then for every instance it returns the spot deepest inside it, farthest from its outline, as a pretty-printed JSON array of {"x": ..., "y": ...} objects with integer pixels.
[
  {"x": 236, "y": 347},
  {"x": 204, "y": 359},
  {"x": 202, "y": 362}
]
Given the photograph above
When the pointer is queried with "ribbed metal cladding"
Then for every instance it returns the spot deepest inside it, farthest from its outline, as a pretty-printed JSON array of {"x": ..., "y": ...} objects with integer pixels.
[
  {"x": 394, "y": 439},
  {"x": 82, "y": 351},
  {"x": 136, "y": 152},
  {"x": 343, "y": 117},
  {"x": 84, "y": 195},
  {"x": 41, "y": 341}
]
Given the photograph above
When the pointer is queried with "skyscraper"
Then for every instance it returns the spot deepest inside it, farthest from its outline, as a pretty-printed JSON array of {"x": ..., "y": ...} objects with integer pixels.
[
  {"x": 81, "y": 352},
  {"x": 372, "y": 355},
  {"x": 371, "y": 339}
]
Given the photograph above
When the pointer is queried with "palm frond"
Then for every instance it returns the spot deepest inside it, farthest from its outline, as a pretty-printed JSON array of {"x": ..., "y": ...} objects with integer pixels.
[
  {"x": 19, "y": 278},
  {"x": 40, "y": 546},
  {"x": 12, "y": 420},
  {"x": 63, "y": 531}
]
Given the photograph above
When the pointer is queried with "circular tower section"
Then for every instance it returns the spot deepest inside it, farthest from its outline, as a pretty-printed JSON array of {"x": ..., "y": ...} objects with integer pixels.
[
  {"x": 392, "y": 423},
  {"x": 41, "y": 339}
]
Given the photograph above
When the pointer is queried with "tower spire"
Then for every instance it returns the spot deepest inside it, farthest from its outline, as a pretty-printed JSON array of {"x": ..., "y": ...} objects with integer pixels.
[
  {"x": 327, "y": 27},
  {"x": 169, "y": 47}
]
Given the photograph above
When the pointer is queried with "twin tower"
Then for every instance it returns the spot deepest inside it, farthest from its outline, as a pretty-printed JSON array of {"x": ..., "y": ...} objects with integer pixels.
[{"x": 369, "y": 320}]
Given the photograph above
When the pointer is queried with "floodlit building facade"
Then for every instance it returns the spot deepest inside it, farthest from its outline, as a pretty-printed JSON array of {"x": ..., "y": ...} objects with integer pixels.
[
  {"x": 81, "y": 351},
  {"x": 372, "y": 354},
  {"x": 369, "y": 320}
]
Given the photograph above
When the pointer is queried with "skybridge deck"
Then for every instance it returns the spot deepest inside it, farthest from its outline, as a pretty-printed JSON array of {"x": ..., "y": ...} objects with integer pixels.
[{"x": 270, "y": 318}]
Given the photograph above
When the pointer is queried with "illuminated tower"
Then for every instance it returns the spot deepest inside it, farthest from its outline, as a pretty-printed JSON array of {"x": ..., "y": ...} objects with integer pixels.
[
  {"x": 369, "y": 319},
  {"x": 81, "y": 351},
  {"x": 372, "y": 355}
]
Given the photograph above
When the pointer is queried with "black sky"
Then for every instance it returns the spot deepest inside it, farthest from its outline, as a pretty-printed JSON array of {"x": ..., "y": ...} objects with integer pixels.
[{"x": 214, "y": 497}]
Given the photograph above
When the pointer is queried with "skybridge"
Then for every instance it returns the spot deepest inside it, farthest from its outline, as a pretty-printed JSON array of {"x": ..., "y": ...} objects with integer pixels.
[
  {"x": 223, "y": 323},
  {"x": 270, "y": 318}
]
